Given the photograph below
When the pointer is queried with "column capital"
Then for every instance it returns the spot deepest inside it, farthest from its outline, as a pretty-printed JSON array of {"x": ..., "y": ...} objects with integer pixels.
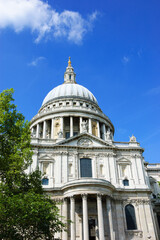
[
  {"x": 72, "y": 198},
  {"x": 100, "y": 195},
  {"x": 65, "y": 199},
  {"x": 84, "y": 195}
]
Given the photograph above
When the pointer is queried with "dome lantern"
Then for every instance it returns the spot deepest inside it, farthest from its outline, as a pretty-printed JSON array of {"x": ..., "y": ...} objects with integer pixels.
[{"x": 69, "y": 75}]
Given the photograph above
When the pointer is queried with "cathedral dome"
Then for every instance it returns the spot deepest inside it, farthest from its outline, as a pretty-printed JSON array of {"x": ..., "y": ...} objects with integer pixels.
[{"x": 67, "y": 90}]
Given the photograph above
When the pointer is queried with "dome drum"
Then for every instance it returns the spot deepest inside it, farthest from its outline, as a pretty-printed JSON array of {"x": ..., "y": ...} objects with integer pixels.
[{"x": 64, "y": 126}]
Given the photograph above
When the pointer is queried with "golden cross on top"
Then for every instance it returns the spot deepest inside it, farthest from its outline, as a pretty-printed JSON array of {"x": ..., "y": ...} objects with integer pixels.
[{"x": 69, "y": 62}]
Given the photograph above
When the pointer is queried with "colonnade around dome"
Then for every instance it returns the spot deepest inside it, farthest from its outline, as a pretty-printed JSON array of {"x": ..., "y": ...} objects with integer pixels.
[{"x": 58, "y": 128}]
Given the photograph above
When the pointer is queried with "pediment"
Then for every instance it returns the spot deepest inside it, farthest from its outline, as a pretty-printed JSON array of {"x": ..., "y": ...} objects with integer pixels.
[
  {"x": 46, "y": 157},
  {"x": 85, "y": 140},
  {"x": 123, "y": 160}
]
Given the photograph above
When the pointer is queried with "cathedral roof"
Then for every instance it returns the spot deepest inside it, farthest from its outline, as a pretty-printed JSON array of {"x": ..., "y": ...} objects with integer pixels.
[{"x": 69, "y": 88}]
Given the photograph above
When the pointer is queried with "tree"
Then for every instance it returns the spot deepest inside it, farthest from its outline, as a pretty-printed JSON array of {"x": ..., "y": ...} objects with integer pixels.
[{"x": 25, "y": 212}]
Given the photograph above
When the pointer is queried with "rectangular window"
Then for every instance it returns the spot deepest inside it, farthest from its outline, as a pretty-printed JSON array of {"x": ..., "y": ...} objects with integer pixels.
[
  {"x": 45, "y": 181},
  {"x": 126, "y": 182},
  {"x": 86, "y": 167}
]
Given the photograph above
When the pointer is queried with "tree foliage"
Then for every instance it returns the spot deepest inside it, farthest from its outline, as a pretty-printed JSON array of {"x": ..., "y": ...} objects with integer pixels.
[{"x": 25, "y": 212}]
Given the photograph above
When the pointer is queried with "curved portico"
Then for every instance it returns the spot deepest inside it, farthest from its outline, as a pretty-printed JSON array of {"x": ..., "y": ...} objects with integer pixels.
[
  {"x": 89, "y": 200},
  {"x": 88, "y": 213}
]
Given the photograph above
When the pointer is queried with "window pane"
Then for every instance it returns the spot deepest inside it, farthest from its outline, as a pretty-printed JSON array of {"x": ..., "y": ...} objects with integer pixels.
[
  {"x": 67, "y": 135},
  {"x": 126, "y": 182},
  {"x": 130, "y": 217},
  {"x": 45, "y": 181},
  {"x": 86, "y": 167}
]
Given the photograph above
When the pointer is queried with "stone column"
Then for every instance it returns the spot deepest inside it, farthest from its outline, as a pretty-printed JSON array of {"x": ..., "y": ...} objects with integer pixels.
[
  {"x": 98, "y": 129},
  {"x": 52, "y": 169},
  {"x": 90, "y": 126},
  {"x": 37, "y": 131},
  {"x": 32, "y": 130},
  {"x": 71, "y": 126},
  {"x": 72, "y": 214},
  {"x": 120, "y": 220},
  {"x": 85, "y": 217},
  {"x": 104, "y": 132},
  {"x": 80, "y": 124},
  {"x": 100, "y": 217},
  {"x": 65, "y": 205},
  {"x": 110, "y": 219},
  {"x": 44, "y": 129},
  {"x": 52, "y": 129},
  {"x": 61, "y": 124}
]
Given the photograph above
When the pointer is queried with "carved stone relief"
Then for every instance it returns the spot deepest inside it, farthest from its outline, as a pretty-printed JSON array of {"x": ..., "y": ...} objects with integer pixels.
[{"x": 85, "y": 142}]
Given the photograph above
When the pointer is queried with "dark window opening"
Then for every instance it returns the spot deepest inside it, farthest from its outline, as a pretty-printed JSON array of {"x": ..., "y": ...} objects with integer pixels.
[
  {"x": 45, "y": 181},
  {"x": 130, "y": 217},
  {"x": 126, "y": 182},
  {"x": 67, "y": 135},
  {"x": 69, "y": 76},
  {"x": 86, "y": 167},
  {"x": 75, "y": 133},
  {"x": 92, "y": 229},
  {"x": 158, "y": 218}
]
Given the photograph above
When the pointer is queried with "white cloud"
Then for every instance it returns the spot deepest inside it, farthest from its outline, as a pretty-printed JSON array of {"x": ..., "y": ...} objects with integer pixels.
[
  {"x": 153, "y": 91},
  {"x": 125, "y": 59},
  {"x": 36, "y": 61},
  {"x": 41, "y": 18}
]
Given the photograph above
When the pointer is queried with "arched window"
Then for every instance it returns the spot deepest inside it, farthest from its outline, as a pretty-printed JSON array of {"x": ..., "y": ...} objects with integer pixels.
[
  {"x": 45, "y": 181},
  {"x": 130, "y": 217},
  {"x": 86, "y": 167}
]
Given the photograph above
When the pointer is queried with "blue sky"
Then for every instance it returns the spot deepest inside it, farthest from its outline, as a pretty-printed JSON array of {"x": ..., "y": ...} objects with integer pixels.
[{"x": 115, "y": 51}]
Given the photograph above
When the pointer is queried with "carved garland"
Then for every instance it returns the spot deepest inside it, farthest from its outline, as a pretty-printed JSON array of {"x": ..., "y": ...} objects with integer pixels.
[{"x": 137, "y": 202}]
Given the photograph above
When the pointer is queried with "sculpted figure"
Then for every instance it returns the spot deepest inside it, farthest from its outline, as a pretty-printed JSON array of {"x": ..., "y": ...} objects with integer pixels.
[
  {"x": 109, "y": 134},
  {"x": 60, "y": 134},
  {"x": 133, "y": 138},
  {"x": 47, "y": 133},
  {"x": 84, "y": 126}
]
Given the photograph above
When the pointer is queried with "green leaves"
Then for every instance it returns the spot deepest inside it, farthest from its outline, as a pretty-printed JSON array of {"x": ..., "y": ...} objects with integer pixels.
[
  {"x": 32, "y": 215},
  {"x": 25, "y": 212},
  {"x": 15, "y": 149}
]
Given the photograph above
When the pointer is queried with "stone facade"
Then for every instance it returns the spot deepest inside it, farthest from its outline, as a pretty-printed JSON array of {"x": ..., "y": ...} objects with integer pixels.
[{"x": 97, "y": 180}]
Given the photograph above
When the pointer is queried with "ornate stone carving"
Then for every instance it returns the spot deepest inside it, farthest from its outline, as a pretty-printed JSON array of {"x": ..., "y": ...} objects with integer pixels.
[
  {"x": 137, "y": 233},
  {"x": 60, "y": 134},
  {"x": 136, "y": 201},
  {"x": 48, "y": 134},
  {"x": 108, "y": 134},
  {"x": 84, "y": 195},
  {"x": 133, "y": 138},
  {"x": 85, "y": 142},
  {"x": 84, "y": 125}
]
